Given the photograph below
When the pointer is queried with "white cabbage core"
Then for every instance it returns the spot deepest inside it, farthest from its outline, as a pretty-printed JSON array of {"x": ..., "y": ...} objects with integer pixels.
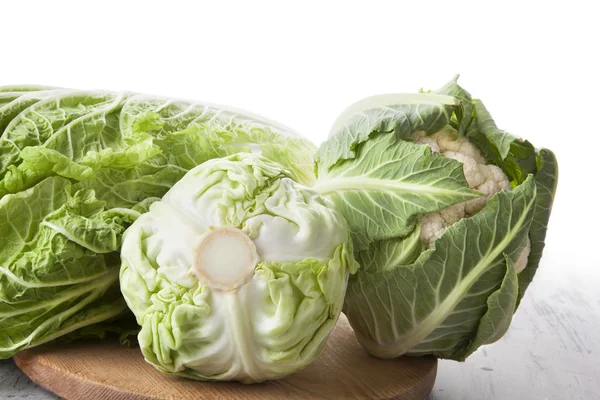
[{"x": 225, "y": 258}]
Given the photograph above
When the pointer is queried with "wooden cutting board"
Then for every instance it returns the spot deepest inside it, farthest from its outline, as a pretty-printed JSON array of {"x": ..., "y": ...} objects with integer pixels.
[{"x": 105, "y": 370}]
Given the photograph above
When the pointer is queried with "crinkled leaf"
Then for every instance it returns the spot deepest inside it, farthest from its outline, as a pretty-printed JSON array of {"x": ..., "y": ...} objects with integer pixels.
[
  {"x": 190, "y": 134},
  {"x": 14, "y": 102},
  {"x": 55, "y": 115},
  {"x": 51, "y": 285},
  {"x": 278, "y": 320},
  {"x": 82, "y": 166}
]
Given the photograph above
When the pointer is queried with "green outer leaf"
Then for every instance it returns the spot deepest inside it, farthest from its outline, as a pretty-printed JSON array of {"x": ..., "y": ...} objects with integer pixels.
[
  {"x": 501, "y": 306},
  {"x": 381, "y": 183},
  {"x": 499, "y": 138},
  {"x": 30, "y": 206},
  {"x": 434, "y": 306},
  {"x": 84, "y": 220},
  {"x": 516, "y": 157},
  {"x": 391, "y": 253},
  {"x": 465, "y": 112},
  {"x": 412, "y": 113},
  {"x": 128, "y": 187},
  {"x": 50, "y": 285},
  {"x": 546, "y": 181},
  {"x": 55, "y": 116},
  {"x": 191, "y": 133},
  {"x": 389, "y": 182},
  {"x": 74, "y": 133},
  {"x": 477, "y": 123},
  {"x": 12, "y": 104}
]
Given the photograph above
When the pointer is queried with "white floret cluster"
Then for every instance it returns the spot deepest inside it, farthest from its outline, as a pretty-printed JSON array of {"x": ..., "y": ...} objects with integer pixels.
[{"x": 488, "y": 179}]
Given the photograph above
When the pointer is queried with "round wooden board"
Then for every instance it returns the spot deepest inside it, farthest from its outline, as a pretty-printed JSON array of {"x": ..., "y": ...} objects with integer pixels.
[{"x": 105, "y": 370}]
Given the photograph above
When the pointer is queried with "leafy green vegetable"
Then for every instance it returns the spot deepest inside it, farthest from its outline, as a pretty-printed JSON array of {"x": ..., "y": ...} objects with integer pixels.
[
  {"x": 427, "y": 306},
  {"x": 404, "y": 114},
  {"x": 448, "y": 214},
  {"x": 238, "y": 273},
  {"x": 546, "y": 180},
  {"x": 388, "y": 183},
  {"x": 58, "y": 263},
  {"x": 76, "y": 169}
]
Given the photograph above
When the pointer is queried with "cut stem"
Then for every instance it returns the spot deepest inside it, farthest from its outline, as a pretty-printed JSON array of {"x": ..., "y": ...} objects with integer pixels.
[{"x": 225, "y": 259}]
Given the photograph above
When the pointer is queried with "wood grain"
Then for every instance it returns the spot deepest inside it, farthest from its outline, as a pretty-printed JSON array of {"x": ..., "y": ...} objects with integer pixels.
[{"x": 105, "y": 370}]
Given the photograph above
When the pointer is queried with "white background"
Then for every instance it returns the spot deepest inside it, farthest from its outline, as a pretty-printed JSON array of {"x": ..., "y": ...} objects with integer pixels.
[{"x": 534, "y": 64}]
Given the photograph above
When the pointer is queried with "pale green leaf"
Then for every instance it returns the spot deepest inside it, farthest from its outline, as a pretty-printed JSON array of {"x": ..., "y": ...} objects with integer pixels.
[
  {"x": 400, "y": 114},
  {"x": 388, "y": 183},
  {"x": 50, "y": 284}
]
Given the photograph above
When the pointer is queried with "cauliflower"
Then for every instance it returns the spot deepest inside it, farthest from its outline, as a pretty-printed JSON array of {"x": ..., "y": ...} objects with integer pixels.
[{"x": 488, "y": 179}]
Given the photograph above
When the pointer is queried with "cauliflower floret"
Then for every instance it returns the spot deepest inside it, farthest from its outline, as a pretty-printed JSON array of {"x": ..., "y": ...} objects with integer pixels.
[
  {"x": 488, "y": 179},
  {"x": 447, "y": 139},
  {"x": 467, "y": 148},
  {"x": 521, "y": 262},
  {"x": 499, "y": 176},
  {"x": 421, "y": 138},
  {"x": 471, "y": 169},
  {"x": 489, "y": 188},
  {"x": 453, "y": 214},
  {"x": 473, "y": 206},
  {"x": 432, "y": 226}
]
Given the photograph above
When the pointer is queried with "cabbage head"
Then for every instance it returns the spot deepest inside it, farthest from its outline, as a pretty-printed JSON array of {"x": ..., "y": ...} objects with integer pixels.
[
  {"x": 448, "y": 216},
  {"x": 238, "y": 273},
  {"x": 76, "y": 169}
]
